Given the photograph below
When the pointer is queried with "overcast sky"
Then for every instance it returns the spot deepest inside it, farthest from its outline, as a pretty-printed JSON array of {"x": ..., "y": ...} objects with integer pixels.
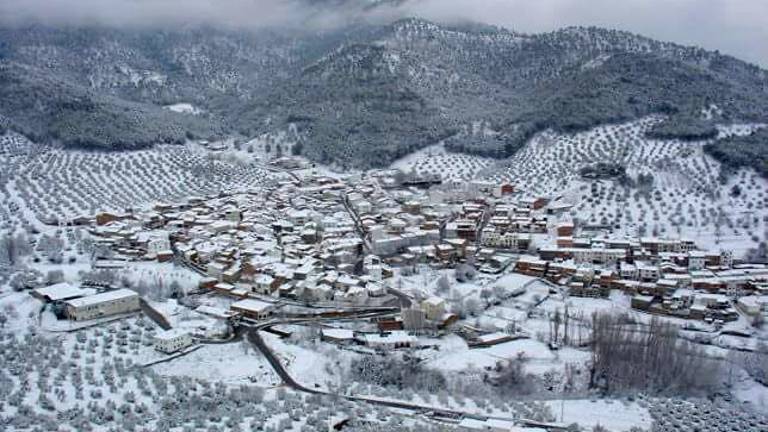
[{"x": 737, "y": 27}]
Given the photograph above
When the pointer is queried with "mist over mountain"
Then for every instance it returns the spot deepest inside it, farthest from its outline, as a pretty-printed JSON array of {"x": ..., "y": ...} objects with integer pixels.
[{"x": 360, "y": 91}]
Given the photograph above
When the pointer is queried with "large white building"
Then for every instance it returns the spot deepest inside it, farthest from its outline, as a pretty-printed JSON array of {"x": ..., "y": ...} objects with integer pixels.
[{"x": 101, "y": 305}]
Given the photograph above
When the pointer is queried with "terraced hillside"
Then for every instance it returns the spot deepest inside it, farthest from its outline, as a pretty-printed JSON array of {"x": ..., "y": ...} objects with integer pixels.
[
  {"x": 41, "y": 183},
  {"x": 669, "y": 187},
  {"x": 362, "y": 95}
]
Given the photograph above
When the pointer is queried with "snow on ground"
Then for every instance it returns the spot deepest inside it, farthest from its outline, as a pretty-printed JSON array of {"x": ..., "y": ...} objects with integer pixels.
[
  {"x": 185, "y": 108},
  {"x": 47, "y": 183},
  {"x": 747, "y": 390},
  {"x": 182, "y": 317},
  {"x": 231, "y": 363},
  {"x": 675, "y": 192},
  {"x": 321, "y": 365},
  {"x": 455, "y": 356},
  {"x": 160, "y": 274},
  {"x": 615, "y": 416},
  {"x": 21, "y": 310},
  {"x": 437, "y": 160}
]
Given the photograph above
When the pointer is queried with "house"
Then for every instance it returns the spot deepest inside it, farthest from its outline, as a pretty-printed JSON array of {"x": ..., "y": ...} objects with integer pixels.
[
  {"x": 389, "y": 340},
  {"x": 697, "y": 260},
  {"x": 628, "y": 271},
  {"x": 254, "y": 309},
  {"x": 445, "y": 251},
  {"x": 216, "y": 270},
  {"x": 207, "y": 283},
  {"x": 533, "y": 203},
  {"x": 753, "y": 305},
  {"x": 173, "y": 340},
  {"x": 413, "y": 318},
  {"x": 223, "y": 288},
  {"x": 231, "y": 275},
  {"x": 565, "y": 229},
  {"x": 338, "y": 336},
  {"x": 158, "y": 242},
  {"x": 100, "y": 305},
  {"x": 434, "y": 308},
  {"x": 506, "y": 189},
  {"x": 648, "y": 272},
  {"x": 641, "y": 302},
  {"x": 265, "y": 284}
]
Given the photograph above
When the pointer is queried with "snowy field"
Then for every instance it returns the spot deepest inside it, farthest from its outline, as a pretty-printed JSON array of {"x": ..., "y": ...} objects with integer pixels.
[
  {"x": 615, "y": 416},
  {"x": 41, "y": 183},
  {"x": 437, "y": 160},
  {"x": 184, "y": 108}
]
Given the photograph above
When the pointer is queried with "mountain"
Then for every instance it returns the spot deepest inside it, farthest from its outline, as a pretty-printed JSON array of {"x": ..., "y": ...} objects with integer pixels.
[{"x": 363, "y": 94}]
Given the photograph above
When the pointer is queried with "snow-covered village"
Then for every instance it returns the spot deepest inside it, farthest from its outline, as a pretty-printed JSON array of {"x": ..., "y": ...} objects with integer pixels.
[
  {"x": 381, "y": 299},
  {"x": 383, "y": 216}
]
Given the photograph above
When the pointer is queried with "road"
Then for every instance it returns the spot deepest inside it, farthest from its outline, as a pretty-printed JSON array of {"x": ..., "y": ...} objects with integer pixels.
[
  {"x": 257, "y": 341},
  {"x": 358, "y": 225}
]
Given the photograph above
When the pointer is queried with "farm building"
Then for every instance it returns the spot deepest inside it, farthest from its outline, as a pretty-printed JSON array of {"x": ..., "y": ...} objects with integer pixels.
[
  {"x": 101, "y": 305},
  {"x": 173, "y": 340},
  {"x": 60, "y": 292}
]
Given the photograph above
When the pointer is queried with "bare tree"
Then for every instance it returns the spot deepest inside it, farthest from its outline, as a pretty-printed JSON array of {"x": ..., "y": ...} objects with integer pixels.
[{"x": 650, "y": 358}]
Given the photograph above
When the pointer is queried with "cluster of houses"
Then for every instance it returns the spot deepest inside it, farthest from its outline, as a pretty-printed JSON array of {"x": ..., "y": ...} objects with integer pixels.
[
  {"x": 324, "y": 239},
  {"x": 664, "y": 276},
  {"x": 296, "y": 241},
  {"x": 450, "y": 223}
]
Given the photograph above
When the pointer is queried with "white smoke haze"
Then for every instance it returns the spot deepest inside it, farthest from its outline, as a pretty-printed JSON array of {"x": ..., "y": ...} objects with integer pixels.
[{"x": 736, "y": 27}]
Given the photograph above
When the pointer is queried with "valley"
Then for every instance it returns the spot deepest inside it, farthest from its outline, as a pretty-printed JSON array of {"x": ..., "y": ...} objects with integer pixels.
[
  {"x": 348, "y": 215},
  {"x": 227, "y": 242}
]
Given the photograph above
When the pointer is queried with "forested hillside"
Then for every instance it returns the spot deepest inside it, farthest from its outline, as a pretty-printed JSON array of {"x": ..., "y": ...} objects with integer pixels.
[{"x": 363, "y": 95}]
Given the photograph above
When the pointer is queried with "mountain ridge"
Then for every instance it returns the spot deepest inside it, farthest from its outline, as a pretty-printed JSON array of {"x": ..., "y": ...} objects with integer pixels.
[{"x": 364, "y": 89}]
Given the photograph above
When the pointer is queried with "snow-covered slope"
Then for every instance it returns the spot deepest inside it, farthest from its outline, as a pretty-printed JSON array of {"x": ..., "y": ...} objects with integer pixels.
[
  {"x": 671, "y": 188},
  {"x": 42, "y": 183}
]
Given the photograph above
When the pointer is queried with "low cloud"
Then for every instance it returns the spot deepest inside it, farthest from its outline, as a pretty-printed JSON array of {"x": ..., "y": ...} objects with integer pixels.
[
  {"x": 239, "y": 14},
  {"x": 737, "y": 27}
]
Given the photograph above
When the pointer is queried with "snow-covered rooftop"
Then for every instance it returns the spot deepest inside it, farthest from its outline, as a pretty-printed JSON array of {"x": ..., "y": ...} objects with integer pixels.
[
  {"x": 62, "y": 291},
  {"x": 103, "y": 297}
]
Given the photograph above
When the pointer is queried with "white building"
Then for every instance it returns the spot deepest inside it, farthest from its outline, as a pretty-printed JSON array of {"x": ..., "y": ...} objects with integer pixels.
[
  {"x": 101, "y": 305},
  {"x": 434, "y": 308},
  {"x": 173, "y": 340},
  {"x": 158, "y": 242},
  {"x": 251, "y": 308},
  {"x": 696, "y": 260},
  {"x": 753, "y": 305}
]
